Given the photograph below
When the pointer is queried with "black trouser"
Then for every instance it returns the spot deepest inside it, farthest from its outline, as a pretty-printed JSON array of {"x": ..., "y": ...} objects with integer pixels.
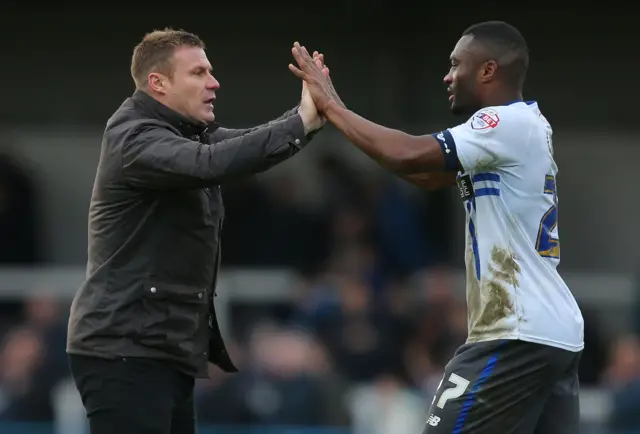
[{"x": 134, "y": 396}]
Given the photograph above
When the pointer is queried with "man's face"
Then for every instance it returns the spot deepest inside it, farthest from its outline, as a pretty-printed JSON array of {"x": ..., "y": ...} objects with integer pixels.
[
  {"x": 461, "y": 80},
  {"x": 191, "y": 90}
]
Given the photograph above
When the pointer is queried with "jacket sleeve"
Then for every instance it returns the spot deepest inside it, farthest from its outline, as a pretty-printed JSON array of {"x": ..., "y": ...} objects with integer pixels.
[
  {"x": 220, "y": 133},
  {"x": 156, "y": 157}
]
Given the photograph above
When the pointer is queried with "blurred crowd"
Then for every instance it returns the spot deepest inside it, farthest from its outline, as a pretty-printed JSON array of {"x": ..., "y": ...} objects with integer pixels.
[{"x": 363, "y": 344}]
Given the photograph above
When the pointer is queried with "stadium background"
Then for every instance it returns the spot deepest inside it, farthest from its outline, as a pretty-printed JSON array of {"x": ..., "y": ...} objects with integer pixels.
[{"x": 342, "y": 289}]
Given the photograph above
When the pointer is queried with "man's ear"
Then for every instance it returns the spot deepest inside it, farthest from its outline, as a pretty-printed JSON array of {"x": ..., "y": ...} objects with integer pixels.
[
  {"x": 489, "y": 71},
  {"x": 157, "y": 82}
]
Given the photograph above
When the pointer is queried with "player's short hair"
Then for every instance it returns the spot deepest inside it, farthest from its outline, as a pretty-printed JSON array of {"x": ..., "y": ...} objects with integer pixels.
[
  {"x": 155, "y": 52},
  {"x": 506, "y": 45}
]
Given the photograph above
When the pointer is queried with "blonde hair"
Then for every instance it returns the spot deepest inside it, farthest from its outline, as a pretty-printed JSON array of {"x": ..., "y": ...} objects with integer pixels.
[{"x": 154, "y": 53}]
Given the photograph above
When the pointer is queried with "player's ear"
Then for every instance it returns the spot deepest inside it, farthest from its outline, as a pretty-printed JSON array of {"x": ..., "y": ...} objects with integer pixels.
[{"x": 489, "y": 70}]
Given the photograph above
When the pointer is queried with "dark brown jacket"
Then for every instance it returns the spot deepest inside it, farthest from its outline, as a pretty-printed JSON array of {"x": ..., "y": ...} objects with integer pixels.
[{"x": 155, "y": 218}]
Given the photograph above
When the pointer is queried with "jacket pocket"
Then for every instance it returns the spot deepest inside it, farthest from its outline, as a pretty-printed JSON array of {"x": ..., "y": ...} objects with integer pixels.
[{"x": 172, "y": 317}]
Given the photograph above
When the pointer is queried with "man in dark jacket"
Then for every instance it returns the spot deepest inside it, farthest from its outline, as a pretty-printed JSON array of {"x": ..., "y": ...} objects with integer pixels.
[{"x": 143, "y": 324}]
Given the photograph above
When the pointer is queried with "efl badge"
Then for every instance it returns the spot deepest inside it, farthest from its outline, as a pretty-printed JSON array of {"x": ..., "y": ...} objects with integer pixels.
[{"x": 485, "y": 120}]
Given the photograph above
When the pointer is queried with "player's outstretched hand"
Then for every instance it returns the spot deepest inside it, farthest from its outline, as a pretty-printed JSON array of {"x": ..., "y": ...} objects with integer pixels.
[
  {"x": 316, "y": 75},
  {"x": 311, "y": 118}
]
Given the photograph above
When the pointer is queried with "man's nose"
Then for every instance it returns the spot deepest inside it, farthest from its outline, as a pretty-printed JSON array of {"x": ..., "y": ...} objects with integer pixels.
[{"x": 213, "y": 83}]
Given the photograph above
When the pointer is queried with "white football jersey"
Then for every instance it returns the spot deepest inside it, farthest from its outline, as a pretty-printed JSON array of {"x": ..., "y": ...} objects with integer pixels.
[{"x": 508, "y": 186}]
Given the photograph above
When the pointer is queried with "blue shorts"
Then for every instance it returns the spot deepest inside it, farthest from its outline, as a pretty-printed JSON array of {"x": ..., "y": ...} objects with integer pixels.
[{"x": 507, "y": 387}]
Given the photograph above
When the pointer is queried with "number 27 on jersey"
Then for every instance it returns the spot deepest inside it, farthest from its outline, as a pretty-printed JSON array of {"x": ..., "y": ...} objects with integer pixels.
[{"x": 548, "y": 244}]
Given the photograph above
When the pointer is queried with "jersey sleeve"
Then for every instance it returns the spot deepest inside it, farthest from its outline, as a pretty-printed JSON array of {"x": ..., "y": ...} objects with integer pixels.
[{"x": 488, "y": 140}]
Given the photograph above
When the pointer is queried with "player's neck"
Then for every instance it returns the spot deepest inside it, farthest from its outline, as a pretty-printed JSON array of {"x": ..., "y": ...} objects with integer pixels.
[{"x": 503, "y": 97}]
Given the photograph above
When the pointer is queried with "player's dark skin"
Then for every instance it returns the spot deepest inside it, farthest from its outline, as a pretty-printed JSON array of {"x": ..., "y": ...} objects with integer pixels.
[{"x": 473, "y": 82}]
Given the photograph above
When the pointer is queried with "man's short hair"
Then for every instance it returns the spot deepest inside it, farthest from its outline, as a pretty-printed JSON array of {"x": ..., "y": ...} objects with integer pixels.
[
  {"x": 155, "y": 52},
  {"x": 506, "y": 45}
]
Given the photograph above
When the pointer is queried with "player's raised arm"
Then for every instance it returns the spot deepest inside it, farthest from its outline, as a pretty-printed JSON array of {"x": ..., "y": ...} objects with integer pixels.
[
  {"x": 429, "y": 161},
  {"x": 488, "y": 139},
  {"x": 395, "y": 150},
  {"x": 431, "y": 180}
]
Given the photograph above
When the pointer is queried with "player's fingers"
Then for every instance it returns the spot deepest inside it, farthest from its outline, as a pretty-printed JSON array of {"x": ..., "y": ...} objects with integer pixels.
[
  {"x": 305, "y": 62},
  {"x": 297, "y": 72},
  {"x": 305, "y": 55},
  {"x": 319, "y": 59},
  {"x": 325, "y": 71},
  {"x": 298, "y": 56}
]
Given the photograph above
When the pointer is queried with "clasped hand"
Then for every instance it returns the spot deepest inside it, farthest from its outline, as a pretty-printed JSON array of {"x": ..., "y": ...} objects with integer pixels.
[{"x": 317, "y": 90}]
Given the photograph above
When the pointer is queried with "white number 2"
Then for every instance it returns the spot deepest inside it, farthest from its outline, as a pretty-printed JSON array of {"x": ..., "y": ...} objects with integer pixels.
[{"x": 460, "y": 387}]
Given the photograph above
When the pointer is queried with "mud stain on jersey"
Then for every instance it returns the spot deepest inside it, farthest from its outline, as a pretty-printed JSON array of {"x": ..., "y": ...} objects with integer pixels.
[
  {"x": 498, "y": 306},
  {"x": 503, "y": 266},
  {"x": 484, "y": 164},
  {"x": 504, "y": 270}
]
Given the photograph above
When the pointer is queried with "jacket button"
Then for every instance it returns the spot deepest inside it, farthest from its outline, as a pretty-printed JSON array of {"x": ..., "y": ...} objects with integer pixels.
[
  {"x": 153, "y": 289},
  {"x": 297, "y": 141},
  {"x": 199, "y": 295}
]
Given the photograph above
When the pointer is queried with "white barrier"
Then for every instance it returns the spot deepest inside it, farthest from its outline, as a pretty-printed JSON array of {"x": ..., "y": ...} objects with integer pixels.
[{"x": 612, "y": 294}]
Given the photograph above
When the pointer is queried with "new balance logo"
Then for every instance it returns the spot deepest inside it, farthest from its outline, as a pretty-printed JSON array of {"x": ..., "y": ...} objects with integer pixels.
[{"x": 433, "y": 420}]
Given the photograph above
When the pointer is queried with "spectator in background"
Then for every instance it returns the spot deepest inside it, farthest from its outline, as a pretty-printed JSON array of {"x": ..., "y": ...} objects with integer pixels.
[
  {"x": 19, "y": 244},
  {"x": 364, "y": 338},
  {"x": 286, "y": 383},
  {"x": 386, "y": 406},
  {"x": 25, "y": 393},
  {"x": 623, "y": 376}
]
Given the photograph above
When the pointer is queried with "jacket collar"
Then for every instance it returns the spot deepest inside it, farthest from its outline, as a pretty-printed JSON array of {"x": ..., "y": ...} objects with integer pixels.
[{"x": 157, "y": 110}]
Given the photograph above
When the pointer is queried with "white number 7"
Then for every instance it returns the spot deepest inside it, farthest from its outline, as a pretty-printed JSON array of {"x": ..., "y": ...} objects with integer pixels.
[{"x": 453, "y": 392}]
